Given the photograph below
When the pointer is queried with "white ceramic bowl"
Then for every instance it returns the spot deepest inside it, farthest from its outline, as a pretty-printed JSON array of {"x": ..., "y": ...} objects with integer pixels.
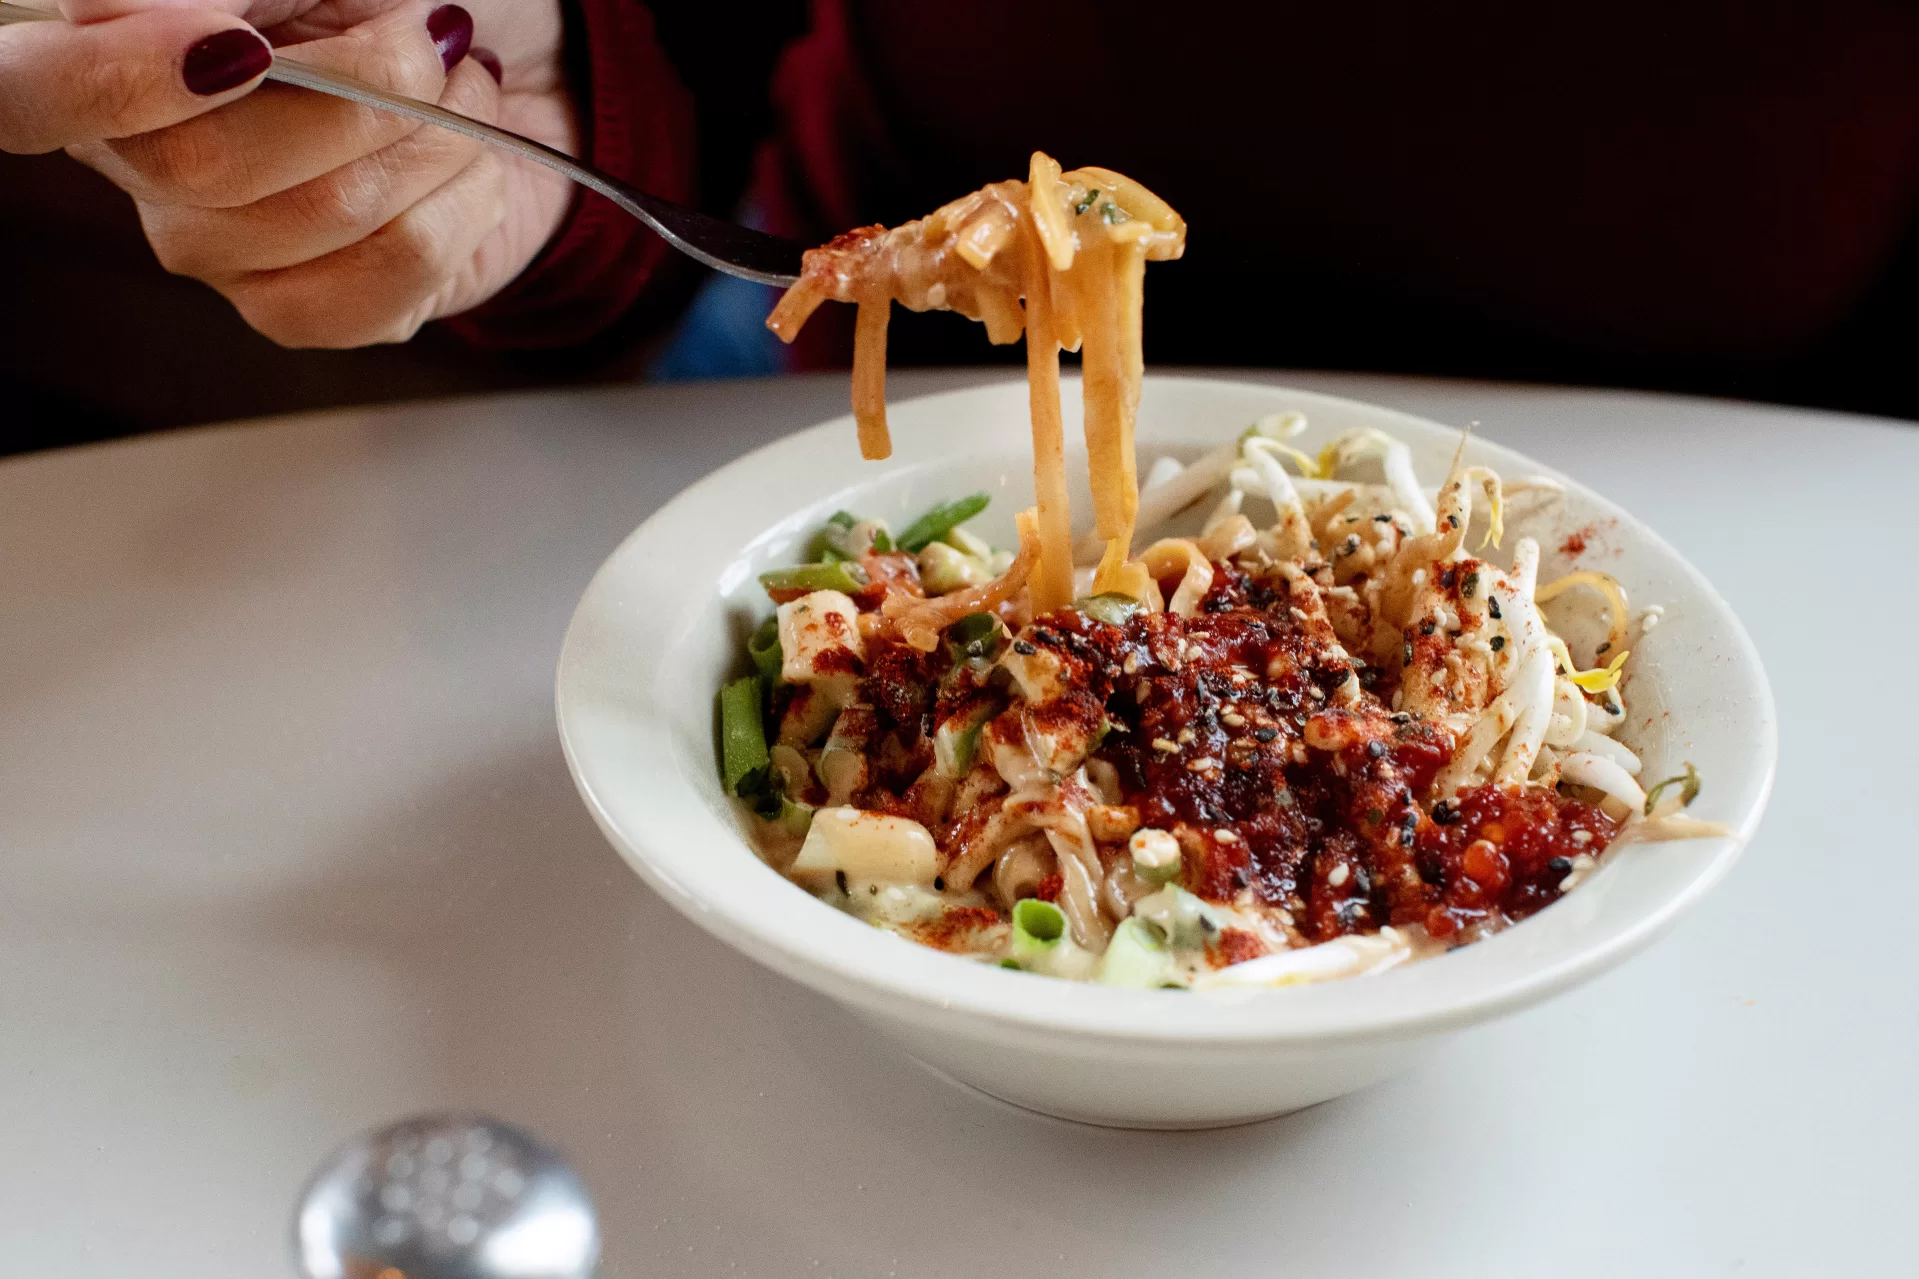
[{"x": 665, "y": 620}]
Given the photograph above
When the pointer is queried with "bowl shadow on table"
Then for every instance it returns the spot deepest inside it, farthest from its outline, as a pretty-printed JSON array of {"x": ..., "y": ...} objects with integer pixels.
[{"x": 555, "y": 990}]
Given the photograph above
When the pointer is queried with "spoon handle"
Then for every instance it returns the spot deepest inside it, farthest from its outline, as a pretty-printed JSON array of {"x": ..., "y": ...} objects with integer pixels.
[{"x": 722, "y": 245}]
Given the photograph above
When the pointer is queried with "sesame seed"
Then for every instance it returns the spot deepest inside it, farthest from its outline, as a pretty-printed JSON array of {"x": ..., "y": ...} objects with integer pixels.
[
  {"x": 1582, "y": 837},
  {"x": 1131, "y": 664},
  {"x": 1338, "y": 876},
  {"x": 1186, "y": 737},
  {"x": 1199, "y": 765},
  {"x": 1233, "y": 719},
  {"x": 1161, "y": 744},
  {"x": 1225, "y": 836}
]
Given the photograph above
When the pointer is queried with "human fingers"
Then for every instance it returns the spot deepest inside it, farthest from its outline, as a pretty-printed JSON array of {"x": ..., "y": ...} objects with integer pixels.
[
  {"x": 63, "y": 83},
  {"x": 283, "y": 136},
  {"x": 384, "y": 287},
  {"x": 329, "y": 212}
]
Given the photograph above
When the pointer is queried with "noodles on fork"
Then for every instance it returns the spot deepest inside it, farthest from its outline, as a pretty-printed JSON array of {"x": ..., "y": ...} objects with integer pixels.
[{"x": 1061, "y": 258}]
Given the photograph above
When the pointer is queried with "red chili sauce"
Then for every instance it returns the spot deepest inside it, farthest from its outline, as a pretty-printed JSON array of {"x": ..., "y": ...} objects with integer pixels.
[{"x": 1272, "y": 756}]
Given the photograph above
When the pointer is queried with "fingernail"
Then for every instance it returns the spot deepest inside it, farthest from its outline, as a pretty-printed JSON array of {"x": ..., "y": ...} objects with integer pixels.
[
  {"x": 452, "y": 30},
  {"x": 491, "y": 61},
  {"x": 225, "y": 60}
]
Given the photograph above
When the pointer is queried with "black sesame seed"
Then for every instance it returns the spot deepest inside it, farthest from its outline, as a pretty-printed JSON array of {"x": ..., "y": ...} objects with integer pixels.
[
  {"x": 1023, "y": 648},
  {"x": 1447, "y": 578},
  {"x": 1265, "y": 734},
  {"x": 1496, "y": 643},
  {"x": 839, "y": 877},
  {"x": 1445, "y": 814},
  {"x": 1472, "y": 584},
  {"x": 1560, "y": 865},
  {"x": 1376, "y": 748},
  {"x": 1492, "y": 606},
  {"x": 1428, "y": 626},
  {"x": 939, "y": 883},
  {"x": 1382, "y": 519}
]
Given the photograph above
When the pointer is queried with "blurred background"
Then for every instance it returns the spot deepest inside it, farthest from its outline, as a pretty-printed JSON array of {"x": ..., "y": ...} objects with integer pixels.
[{"x": 1711, "y": 198}]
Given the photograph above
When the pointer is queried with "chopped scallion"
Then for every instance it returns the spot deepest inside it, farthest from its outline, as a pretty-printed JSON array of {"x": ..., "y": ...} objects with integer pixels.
[
  {"x": 975, "y": 635},
  {"x": 934, "y": 525},
  {"x": 743, "y": 757},
  {"x": 764, "y": 649},
  {"x": 807, "y": 578},
  {"x": 1037, "y": 925}
]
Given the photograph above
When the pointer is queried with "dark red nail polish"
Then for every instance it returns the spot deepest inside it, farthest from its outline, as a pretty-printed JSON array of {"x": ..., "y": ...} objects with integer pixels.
[
  {"x": 225, "y": 60},
  {"x": 452, "y": 30},
  {"x": 491, "y": 61}
]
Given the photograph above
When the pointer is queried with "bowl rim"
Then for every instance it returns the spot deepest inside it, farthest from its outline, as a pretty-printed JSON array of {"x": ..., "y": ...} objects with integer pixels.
[{"x": 823, "y": 948}]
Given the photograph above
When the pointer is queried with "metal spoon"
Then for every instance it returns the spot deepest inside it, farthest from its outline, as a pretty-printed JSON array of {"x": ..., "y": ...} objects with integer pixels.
[
  {"x": 445, "y": 1196},
  {"x": 724, "y": 246}
]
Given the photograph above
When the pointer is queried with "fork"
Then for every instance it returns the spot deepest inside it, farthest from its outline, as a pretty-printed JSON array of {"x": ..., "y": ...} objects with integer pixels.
[{"x": 724, "y": 246}]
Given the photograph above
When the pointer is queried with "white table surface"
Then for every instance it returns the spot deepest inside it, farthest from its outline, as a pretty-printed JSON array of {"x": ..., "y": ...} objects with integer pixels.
[{"x": 287, "y": 849}]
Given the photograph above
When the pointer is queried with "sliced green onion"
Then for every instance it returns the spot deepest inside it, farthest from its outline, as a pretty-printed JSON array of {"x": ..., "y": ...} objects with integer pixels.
[
  {"x": 1688, "y": 783},
  {"x": 1086, "y": 201},
  {"x": 795, "y": 816},
  {"x": 764, "y": 649},
  {"x": 974, "y": 545},
  {"x": 945, "y": 568},
  {"x": 743, "y": 757},
  {"x": 1111, "y": 608},
  {"x": 1136, "y": 959},
  {"x": 1038, "y": 927},
  {"x": 1178, "y": 917},
  {"x": 844, "y": 577},
  {"x": 935, "y": 524},
  {"x": 845, "y": 536},
  {"x": 975, "y": 635}
]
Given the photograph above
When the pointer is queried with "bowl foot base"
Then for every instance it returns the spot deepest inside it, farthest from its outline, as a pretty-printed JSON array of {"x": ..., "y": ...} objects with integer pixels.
[{"x": 1026, "y": 1111}]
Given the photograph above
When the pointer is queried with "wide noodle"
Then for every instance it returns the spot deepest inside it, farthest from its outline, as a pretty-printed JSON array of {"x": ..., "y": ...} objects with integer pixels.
[{"x": 1060, "y": 258}]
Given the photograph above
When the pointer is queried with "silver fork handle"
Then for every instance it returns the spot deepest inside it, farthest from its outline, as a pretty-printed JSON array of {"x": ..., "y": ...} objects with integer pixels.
[{"x": 722, "y": 245}]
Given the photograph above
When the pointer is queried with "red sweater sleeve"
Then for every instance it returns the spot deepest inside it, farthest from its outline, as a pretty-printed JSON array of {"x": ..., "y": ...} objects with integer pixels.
[{"x": 638, "y": 124}]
